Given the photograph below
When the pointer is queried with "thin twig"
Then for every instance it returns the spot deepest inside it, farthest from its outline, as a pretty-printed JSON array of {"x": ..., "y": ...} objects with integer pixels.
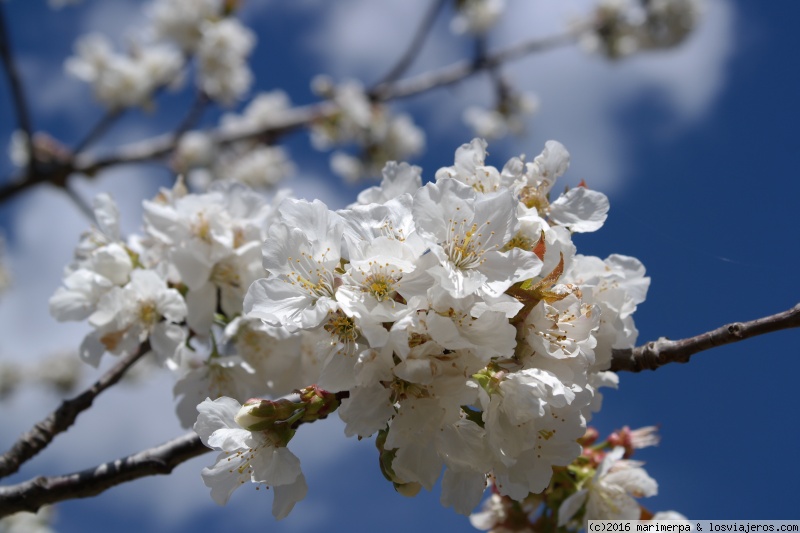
[
  {"x": 301, "y": 116},
  {"x": 40, "y": 436},
  {"x": 193, "y": 116},
  {"x": 461, "y": 70},
  {"x": 414, "y": 48},
  {"x": 100, "y": 127},
  {"x": 33, "y": 494},
  {"x": 79, "y": 202},
  {"x": 658, "y": 353},
  {"x": 159, "y": 146},
  {"x": 17, "y": 92}
]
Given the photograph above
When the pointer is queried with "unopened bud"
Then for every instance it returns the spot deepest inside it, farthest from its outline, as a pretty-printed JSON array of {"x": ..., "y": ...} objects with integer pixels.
[
  {"x": 257, "y": 414},
  {"x": 589, "y": 438},
  {"x": 319, "y": 403}
]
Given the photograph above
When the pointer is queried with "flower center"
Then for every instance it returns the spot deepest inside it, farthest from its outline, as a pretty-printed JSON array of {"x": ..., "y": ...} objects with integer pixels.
[
  {"x": 305, "y": 270},
  {"x": 226, "y": 274},
  {"x": 148, "y": 313},
  {"x": 519, "y": 241},
  {"x": 380, "y": 285},
  {"x": 465, "y": 246},
  {"x": 201, "y": 228},
  {"x": 342, "y": 327}
]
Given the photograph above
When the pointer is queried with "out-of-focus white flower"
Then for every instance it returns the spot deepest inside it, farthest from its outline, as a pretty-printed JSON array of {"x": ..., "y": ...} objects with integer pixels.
[
  {"x": 181, "y": 20},
  {"x": 623, "y": 27},
  {"x": 121, "y": 80},
  {"x": 381, "y": 135},
  {"x": 262, "y": 167},
  {"x": 222, "y": 53},
  {"x": 508, "y": 117},
  {"x": 195, "y": 149},
  {"x": 263, "y": 110},
  {"x": 25, "y": 522},
  {"x": 18, "y": 149},
  {"x": 62, "y": 372},
  {"x": 10, "y": 378},
  {"x": 477, "y": 16}
]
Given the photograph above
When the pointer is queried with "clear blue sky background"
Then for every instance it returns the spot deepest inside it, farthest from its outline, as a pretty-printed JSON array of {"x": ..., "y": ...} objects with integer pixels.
[{"x": 708, "y": 201}]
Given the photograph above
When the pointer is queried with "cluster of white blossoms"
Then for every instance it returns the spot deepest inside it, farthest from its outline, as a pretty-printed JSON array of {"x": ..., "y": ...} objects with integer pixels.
[
  {"x": 177, "y": 30},
  {"x": 602, "y": 484},
  {"x": 247, "y": 161},
  {"x": 453, "y": 320},
  {"x": 123, "y": 80},
  {"x": 381, "y": 135},
  {"x": 623, "y": 27},
  {"x": 509, "y": 116}
]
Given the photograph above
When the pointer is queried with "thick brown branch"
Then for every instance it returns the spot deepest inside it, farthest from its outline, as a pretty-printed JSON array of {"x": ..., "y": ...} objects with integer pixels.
[
  {"x": 40, "y": 436},
  {"x": 658, "y": 353},
  {"x": 31, "y": 495}
]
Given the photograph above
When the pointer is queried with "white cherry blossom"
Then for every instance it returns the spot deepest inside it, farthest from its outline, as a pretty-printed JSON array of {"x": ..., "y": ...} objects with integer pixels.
[
  {"x": 610, "y": 494},
  {"x": 247, "y": 456}
]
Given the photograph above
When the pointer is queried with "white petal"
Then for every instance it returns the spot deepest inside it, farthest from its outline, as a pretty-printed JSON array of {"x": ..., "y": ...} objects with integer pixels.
[
  {"x": 366, "y": 410},
  {"x": 570, "y": 506},
  {"x": 194, "y": 270},
  {"x": 338, "y": 374},
  {"x": 201, "y": 304},
  {"x": 106, "y": 214},
  {"x": 223, "y": 478},
  {"x": 580, "y": 209},
  {"x": 635, "y": 481},
  {"x": 165, "y": 340},
  {"x": 462, "y": 490},
  {"x": 214, "y": 415},
  {"x": 275, "y": 466},
  {"x": 91, "y": 349},
  {"x": 288, "y": 495}
]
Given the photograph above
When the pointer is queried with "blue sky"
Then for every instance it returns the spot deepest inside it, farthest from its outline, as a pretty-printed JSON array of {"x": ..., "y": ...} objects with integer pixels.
[{"x": 696, "y": 148}]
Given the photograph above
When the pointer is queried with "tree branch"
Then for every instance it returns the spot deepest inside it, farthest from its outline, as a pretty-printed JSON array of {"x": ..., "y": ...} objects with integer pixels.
[
  {"x": 461, "y": 70},
  {"x": 162, "y": 459},
  {"x": 31, "y": 495},
  {"x": 301, "y": 116},
  {"x": 157, "y": 147},
  {"x": 17, "y": 93},
  {"x": 658, "y": 353},
  {"x": 40, "y": 436},
  {"x": 101, "y": 126},
  {"x": 194, "y": 114},
  {"x": 414, "y": 48}
]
